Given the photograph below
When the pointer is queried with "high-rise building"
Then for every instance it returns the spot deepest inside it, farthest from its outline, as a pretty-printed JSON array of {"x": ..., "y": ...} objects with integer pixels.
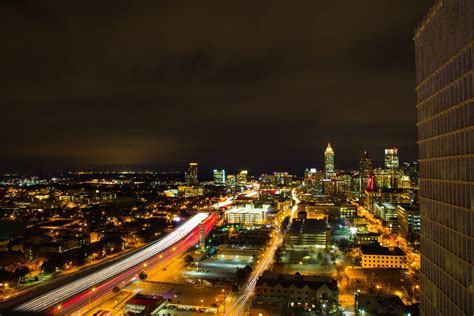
[
  {"x": 192, "y": 174},
  {"x": 329, "y": 170},
  {"x": 282, "y": 178},
  {"x": 391, "y": 158},
  {"x": 444, "y": 86},
  {"x": 231, "y": 179},
  {"x": 313, "y": 181},
  {"x": 242, "y": 177},
  {"x": 219, "y": 177},
  {"x": 365, "y": 170}
]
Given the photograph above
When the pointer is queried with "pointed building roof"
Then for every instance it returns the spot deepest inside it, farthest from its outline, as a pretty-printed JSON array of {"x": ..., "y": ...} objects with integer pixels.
[{"x": 329, "y": 149}]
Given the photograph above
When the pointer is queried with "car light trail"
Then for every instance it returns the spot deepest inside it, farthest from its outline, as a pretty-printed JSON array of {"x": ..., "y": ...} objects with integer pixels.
[
  {"x": 57, "y": 296},
  {"x": 239, "y": 305}
]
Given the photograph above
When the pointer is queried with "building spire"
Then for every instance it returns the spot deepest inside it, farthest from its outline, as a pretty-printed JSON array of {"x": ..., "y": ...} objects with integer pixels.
[{"x": 329, "y": 148}]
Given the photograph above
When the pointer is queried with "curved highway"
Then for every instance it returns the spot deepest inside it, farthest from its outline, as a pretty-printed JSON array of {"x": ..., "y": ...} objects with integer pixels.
[{"x": 102, "y": 281}]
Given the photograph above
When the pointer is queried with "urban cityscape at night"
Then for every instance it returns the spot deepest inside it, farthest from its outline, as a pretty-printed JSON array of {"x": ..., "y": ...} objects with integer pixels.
[{"x": 237, "y": 158}]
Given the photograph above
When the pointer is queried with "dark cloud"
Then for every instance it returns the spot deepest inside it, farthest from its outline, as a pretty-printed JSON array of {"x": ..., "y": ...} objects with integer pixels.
[{"x": 256, "y": 84}]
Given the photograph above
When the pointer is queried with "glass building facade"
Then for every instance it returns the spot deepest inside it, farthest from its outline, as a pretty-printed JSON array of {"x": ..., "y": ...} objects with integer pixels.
[{"x": 445, "y": 106}]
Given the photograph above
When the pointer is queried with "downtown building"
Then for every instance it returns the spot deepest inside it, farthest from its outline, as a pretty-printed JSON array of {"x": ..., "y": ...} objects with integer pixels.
[
  {"x": 445, "y": 106},
  {"x": 191, "y": 175}
]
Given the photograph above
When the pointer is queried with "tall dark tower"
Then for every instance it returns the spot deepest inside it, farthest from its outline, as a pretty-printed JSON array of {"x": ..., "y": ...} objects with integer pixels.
[
  {"x": 365, "y": 170},
  {"x": 444, "y": 86},
  {"x": 192, "y": 174}
]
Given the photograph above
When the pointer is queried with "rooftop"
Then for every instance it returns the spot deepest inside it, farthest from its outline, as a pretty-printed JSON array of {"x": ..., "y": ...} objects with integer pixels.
[
  {"x": 383, "y": 251},
  {"x": 297, "y": 280},
  {"x": 380, "y": 304},
  {"x": 369, "y": 234},
  {"x": 145, "y": 300},
  {"x": 305, "y": 226}
]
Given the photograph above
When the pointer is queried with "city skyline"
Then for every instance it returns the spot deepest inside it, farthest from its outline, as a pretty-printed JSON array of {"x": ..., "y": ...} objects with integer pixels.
[
  {"x": 163, "y": 84},
  {"x": 237, "y": 158}
]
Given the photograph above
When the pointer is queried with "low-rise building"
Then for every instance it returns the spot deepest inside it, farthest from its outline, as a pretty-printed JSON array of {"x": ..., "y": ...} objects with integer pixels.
[
  {"x": 247, "y": 215},
  {"x": 347, "y": 211},
  {"x": 308, "y": 234},
  {"x": 353, "y": 221},
  {"x": 368, "y": 238},
  {"x": 237, "y": 254},
  {"x": 143, "y": 305},
  {"x": 383, "y": 257},
  {"x": 281, "y": 293},
  {"x": 190, "y": 191},
  {"x": 380, "y": 304}
]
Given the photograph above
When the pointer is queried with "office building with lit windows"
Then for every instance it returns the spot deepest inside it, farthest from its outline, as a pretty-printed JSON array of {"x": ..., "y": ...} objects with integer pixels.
[
  {"x": 242, "y": 177},
  {"x": 219, "y": 177},
  {"x": 247, "y": 215},
  {"x": 409, "y": 219},
  {"x": 329, "y": 170},
  {"x": 192, "y": 174},
  {"x": 375, "y": 256},
  {"x": 391, "y": 158},
  {"x": 445, "y": 106}
]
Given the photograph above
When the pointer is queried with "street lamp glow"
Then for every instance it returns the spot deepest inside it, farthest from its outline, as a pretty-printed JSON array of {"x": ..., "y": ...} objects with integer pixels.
[{"x": 353, "y": 230}]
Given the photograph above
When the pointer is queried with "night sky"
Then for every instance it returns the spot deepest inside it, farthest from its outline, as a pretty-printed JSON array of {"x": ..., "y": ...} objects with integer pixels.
[{"x": 234, "y": 84}]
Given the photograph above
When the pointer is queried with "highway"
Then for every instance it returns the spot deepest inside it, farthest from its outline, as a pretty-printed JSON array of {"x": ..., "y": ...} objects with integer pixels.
[{"x": 76, "y": 294}]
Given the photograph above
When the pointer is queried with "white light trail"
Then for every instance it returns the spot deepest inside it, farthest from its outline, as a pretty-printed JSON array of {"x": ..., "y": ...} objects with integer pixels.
[{"x": 65, "y": 292}]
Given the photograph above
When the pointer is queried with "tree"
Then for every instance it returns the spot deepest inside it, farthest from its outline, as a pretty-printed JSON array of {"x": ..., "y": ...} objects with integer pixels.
[
  {"x": 247, "y": 269},
  {"x": 116, "y": 289},
  {"x": 143, "y": 275},
  {"x": 188, "y": 259},
  {"x": 21, "y": 273},
  {"x": 325, "y": 262}
]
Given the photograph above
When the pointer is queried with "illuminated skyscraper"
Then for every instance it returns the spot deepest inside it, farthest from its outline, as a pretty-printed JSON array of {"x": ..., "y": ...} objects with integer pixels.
[
  {"x": 313, "y": 181},
  {"x": 219, "y": 177},
  {"x": 242, "y": 177},
  {"x": 329, "y": 162},
  {"x": 231, "y": 179},
  {"x": 365, "y": 170},
  {"x": 444, "y": 85},
  {"x": 391, "y": 158},
  {"x": 192, "y": 174}
]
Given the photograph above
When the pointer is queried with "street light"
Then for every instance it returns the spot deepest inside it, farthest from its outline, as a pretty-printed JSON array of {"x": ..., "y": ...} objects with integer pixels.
[
  {"x": 224, "y": 294},
  {"x": 57, "y": 310},
  {"x": 91, "y": 291}
]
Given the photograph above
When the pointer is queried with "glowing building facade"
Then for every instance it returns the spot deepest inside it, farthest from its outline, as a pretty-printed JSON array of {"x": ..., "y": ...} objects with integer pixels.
[
  {"x": 444, "y": 86},
  {"x": 329, "y": 170},
  {"x": 192, "y": 174},
  {"x": 219, "y": 177},
  {"x": 391, "y": 158},
  {"x": 242, "y": 177}
]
